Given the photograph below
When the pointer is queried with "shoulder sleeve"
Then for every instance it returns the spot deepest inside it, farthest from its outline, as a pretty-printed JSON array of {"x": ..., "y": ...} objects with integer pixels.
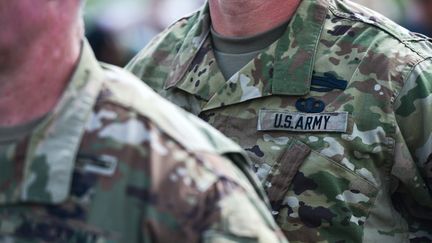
[
  {"x": 201, "y": 197},
  {"x": 413, "y": 151},
  {"x": 152, "y": 64}
]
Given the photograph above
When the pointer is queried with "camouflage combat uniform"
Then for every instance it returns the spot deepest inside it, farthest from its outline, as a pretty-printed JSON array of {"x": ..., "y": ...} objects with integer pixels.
[
  {"x": 114, "y": 162},
  {"x": 336, "y": 116}
]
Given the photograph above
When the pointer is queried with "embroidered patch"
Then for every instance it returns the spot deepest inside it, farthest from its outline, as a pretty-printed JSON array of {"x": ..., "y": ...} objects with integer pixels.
[
  {"x": 327, "y": 83},
  {"x": 310, "y": 105},
  {"x": 278, "y": 120}
]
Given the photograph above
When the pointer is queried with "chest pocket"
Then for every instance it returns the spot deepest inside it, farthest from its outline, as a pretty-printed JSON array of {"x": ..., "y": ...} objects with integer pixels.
[{"x": 314, "y": 198}]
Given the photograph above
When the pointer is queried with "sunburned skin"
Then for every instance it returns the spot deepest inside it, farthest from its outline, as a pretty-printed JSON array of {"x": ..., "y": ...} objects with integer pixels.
[{"x": 33, "y": 71}]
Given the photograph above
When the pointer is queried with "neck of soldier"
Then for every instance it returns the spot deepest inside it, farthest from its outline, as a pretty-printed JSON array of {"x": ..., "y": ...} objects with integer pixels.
[
  {"x": 241, "y": 18},
  {"x": 33, "y": 75}
]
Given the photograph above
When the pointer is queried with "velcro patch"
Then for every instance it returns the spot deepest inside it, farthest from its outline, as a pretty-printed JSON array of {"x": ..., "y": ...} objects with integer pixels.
[{"x": 277, "y": 120}]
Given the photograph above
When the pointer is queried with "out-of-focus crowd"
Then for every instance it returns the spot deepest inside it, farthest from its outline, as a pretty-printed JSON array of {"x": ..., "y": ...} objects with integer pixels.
[
  {"x": 117, "y": 30},
  {"x": 415, "y": 15}
]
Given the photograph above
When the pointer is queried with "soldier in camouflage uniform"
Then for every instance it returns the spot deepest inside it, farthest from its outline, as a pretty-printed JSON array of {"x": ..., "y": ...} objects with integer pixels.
[
  {"x": 336, "y": 115},
  {"x": 112, "y": 161}
]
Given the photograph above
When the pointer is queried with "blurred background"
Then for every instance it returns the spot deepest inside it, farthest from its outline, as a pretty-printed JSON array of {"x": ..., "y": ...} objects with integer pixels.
[{"x": 117, "y": 30}]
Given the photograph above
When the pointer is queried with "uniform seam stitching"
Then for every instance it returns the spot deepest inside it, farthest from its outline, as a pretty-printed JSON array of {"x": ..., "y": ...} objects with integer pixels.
[
  {"x": 339, "y": 165},
  {"x": 416, "y": 64},
  {"x": 405, "y": 41},
  {"x": 393, "y": 135}
]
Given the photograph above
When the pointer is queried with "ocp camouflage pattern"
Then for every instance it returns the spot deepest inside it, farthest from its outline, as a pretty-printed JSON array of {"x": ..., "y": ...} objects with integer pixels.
[
  {"x": 370, "y": 179},
  {"x": 114, "y": 162}
]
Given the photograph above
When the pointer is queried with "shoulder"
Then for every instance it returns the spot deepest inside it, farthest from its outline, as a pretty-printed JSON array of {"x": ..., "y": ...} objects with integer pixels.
[
  {"x": 384, "y": 33},
  {"x": 125, "y": 90},
  {"x": 171, "y": 161},
  {"x": 364, "y": 44},
  {"x": 153, "y": 63},
  {"x": 168, "y": 42}
]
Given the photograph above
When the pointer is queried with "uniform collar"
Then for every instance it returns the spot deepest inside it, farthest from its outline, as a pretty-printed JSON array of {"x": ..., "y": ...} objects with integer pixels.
[
  {"x": 294, "y": 55},
  {"x": 189, "y": 48},
  {"x": 53, "y": 145}
]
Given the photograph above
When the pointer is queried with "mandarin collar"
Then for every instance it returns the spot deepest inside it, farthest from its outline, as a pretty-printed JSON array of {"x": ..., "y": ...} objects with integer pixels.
[
  {"x": 54, "y": 144},
  {"x": 294, "y": 56}
]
